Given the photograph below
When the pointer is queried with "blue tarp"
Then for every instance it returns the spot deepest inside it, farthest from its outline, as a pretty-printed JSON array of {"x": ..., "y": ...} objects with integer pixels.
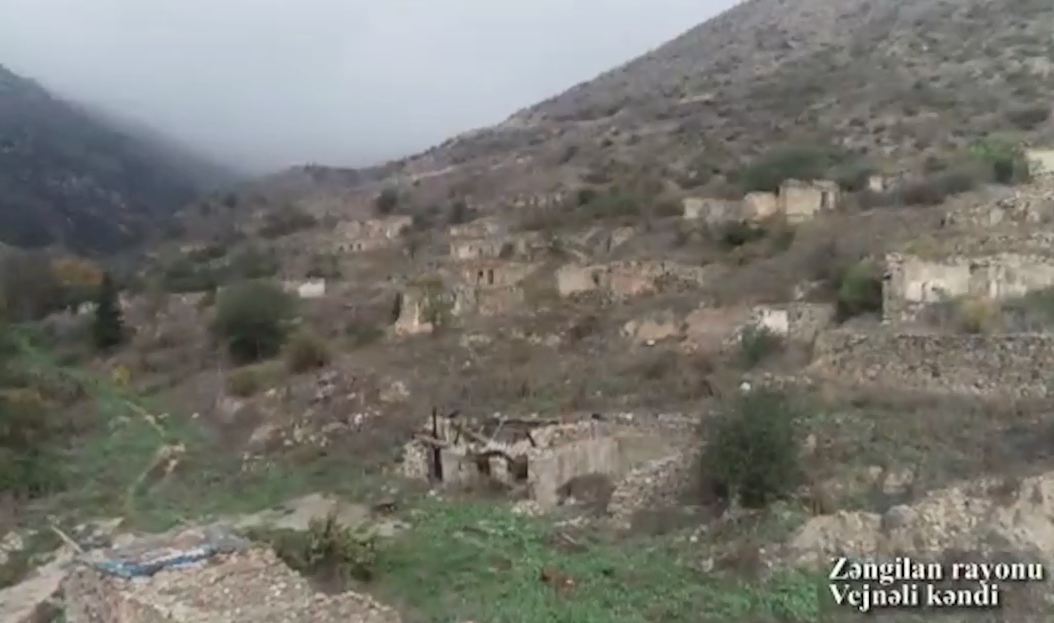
[{"x": 168, "y": 555}]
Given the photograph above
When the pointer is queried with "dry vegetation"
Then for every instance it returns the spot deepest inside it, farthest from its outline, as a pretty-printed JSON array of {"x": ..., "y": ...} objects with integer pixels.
[{"x": 269, "y": 396}]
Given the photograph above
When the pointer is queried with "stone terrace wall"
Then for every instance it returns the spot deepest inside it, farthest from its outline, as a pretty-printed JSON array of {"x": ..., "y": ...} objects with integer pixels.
[
  {"x": 912, "y": 282},
  {"x": 1019, "y": 364}
]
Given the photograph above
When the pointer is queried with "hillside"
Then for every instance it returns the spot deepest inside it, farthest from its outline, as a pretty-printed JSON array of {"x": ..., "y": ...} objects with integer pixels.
[
  {"x": 897, "y": 82},
  {"x": 637, "y": 354},
  {"x": 72, "y": 177}
]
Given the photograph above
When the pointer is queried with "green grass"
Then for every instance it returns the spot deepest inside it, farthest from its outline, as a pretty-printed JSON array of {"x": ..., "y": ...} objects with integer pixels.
[
  {"x": 477, "y": 561},
  {"x": 101, "y": 469}
]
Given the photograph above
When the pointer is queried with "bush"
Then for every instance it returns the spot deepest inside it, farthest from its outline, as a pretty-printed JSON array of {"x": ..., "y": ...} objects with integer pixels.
[
  {"x": 757, "y": 344},
  {"x": 801, "y": 162},
  {"x": 286, "y": 221},
  {"x": 386, "y": 201},
  {"x": 252, "y": 319},
  {"x": 327, "y": 550},
  {"x": 738, "y": 233},
  {"x": 1004, "y": 159},
  {"x": 752, "y": 453},
  {"x": 253, "y": 262},
  {"x": 244, "y": 382},
  {"x": 858, "y": 290},
  {"x": 107, "y": 325},
  {"x": 27, "y": 465},
  {"x": 360, "y": 333},
  {"x": 306, "y": 351}
]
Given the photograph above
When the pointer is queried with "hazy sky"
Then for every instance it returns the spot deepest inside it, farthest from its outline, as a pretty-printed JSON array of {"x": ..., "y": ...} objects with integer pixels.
[{"x": 269, "y": 83}]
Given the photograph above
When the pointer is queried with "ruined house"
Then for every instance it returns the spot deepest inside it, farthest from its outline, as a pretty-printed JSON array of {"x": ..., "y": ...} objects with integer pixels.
[
  {"x": 711, "y": 211},
  {"x": 626, "y": 278},
  {"x": 533, "y": 457},
  {"x": 488, "y": 286},
  {"x": 480, "y": 228},
  {"x": 371, "y": 233},
  {"x": 1041, "y": 162},
  {"x": 915, "y": 281},
  {"x": 796, "y": 200},
  {"x": 414, "y": 306}
]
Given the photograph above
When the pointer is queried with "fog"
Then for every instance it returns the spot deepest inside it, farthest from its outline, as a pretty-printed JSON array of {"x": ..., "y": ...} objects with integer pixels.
[{"x": 263, "y": 84}]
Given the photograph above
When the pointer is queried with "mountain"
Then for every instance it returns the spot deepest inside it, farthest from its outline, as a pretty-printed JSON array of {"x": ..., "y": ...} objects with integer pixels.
[
  {"x": 75, "y": 177},
  {"x": 899, "y": 83}
]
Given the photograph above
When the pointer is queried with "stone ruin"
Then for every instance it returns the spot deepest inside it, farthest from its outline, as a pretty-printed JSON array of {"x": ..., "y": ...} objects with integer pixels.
[
  {"x": 993, "y": 253},
  {"x": 531, "y": 457},
  {"x": 626, "y": 279},
  {"x": 370, "y": 234},
  {"x": 795, "y": 200},
  {"x": 915, "y": 282}
]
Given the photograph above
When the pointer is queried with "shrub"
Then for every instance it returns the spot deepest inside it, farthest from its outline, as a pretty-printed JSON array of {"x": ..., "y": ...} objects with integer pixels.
[
  {"x": 252, "y": 319},
  {"x": 306, "y": 351},
  {"x": 253, "y": 262},
  {"x": 361, "y": 333},
  {"x": 327, "y": 550},
  {"x": 286, "y": 221},
  {"x": 802, "y": 162},
  {"x": 738, "y": 233},
  {"x": 386, "y": 201},
  {"x": 752, "y": 453},
  {"x": 858, "y": 289},
  {"x": 107, "y": 325},
  {"x": 757, "y": 344},
  {"x": 244, "y": 382},
  {"x": 1004, "y": 159},
  {"x": 934, "y": 189}
]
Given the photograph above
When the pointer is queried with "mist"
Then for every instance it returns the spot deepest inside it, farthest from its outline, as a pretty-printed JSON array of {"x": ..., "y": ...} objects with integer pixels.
[{"x": 264, "y": 84}]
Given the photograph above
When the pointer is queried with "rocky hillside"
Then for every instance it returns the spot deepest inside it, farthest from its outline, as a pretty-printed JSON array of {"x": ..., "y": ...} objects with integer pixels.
[
  {"x": 898, "y": 82},
  {"x": 69, "y": 176}
]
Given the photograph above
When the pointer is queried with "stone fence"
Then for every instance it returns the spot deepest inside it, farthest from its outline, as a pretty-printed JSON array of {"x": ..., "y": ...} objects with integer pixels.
[{"x": 1017, "y": 364}]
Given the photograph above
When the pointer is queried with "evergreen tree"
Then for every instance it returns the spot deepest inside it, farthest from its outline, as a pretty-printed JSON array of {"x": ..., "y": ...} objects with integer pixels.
[{"x": 108, "y": 327}]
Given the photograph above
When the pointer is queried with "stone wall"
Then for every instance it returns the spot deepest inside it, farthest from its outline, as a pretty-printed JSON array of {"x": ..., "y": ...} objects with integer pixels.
[
  {"x": 487, "y": 301},
  {"x": 1017, "y": 364},
  {"x": 551, "y": 468},
  {"x": 1040, "y": 161},
  {"x": 795, "y": 321},
  {"x": 494, "y": 247},
  {"x": 626, "y": 279},
  {"x": 1024, "y": 205},
  {"x": 801, "y": 201},
  {"x": 492, "y": 273},
  {"x": 479, "y": 228},
  {"x": 711, "y": 211},
  {"x": 913, "y": 283}
]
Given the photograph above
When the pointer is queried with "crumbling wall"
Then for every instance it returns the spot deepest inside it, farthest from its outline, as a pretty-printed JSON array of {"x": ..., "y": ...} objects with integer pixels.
[
  {"x": 476, "y": 248},
  {"x": 549, "y": 469},
  {"x": 1040, "y": 161},
  {"x": 795, "y": 321},
  {"x": 1030, "y": 204},
  {"x": 913, "y": 283},
  {"x": 801, "y": 201},
  {"x": 489, "y": 301},
  {"x": 553, "y": 452},
  {"x": 758, "y": 206},
  {"x": 492, "y": 273},
  {"x": 626, "y": 279},
  {"x": 370, "y": 234},
  {"x": 495, "y": 247},
  {"x": 711, "y": 211},
  {"x": 1015, "y": 364},
  {"x": 479, "y": 228}
]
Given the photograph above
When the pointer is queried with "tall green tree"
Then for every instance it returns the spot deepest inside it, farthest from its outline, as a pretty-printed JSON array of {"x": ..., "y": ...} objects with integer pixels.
[{"x": 108, "y": 327}]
